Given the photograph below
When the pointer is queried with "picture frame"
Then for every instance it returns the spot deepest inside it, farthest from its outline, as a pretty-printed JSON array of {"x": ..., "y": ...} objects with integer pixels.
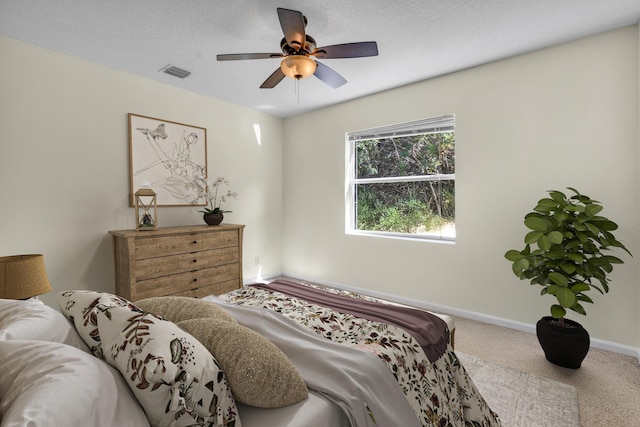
[{"x": 169, "y": 157}]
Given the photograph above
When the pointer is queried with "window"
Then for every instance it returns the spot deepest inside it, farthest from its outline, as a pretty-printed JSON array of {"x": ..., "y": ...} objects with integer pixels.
[{"x": 401, "y": 180}]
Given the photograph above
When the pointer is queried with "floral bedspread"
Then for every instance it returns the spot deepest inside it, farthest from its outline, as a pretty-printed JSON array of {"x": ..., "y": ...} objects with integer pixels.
[{"x": 440, "y": 393}]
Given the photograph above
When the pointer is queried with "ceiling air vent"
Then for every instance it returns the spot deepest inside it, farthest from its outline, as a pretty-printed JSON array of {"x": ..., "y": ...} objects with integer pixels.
[{"x": 176, "y": 72}]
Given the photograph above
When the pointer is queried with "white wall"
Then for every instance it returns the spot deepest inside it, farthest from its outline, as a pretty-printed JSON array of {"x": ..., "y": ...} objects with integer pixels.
[
  {"x": 64, "y": 164},
  {"x": 558, "y": 117}
]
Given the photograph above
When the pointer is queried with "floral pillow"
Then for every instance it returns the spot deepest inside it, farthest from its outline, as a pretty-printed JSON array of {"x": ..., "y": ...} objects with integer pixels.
[
  {"x": 174, "y": 377},
  {"x": 81, "y": 308}
]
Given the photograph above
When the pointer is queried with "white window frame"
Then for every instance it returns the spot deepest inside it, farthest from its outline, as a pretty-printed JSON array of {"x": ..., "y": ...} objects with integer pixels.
[{"x": 432, "y": 125}]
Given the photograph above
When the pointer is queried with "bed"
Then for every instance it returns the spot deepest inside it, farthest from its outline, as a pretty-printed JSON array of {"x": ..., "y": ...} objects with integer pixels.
[{"x": 269, "y": 354}]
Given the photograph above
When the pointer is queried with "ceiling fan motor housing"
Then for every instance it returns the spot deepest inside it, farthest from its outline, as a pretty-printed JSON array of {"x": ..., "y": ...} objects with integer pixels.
[{"x": 309, "y": 46}]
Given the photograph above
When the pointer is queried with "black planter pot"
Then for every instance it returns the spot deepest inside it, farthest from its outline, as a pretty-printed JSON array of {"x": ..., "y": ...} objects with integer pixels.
[
  {"x": 213, "y": 218},
  {"x": 564, "y": 346}
]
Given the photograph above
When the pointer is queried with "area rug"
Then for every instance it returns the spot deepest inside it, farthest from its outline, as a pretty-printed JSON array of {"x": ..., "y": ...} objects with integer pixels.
[{"x": 521, "y": 399}]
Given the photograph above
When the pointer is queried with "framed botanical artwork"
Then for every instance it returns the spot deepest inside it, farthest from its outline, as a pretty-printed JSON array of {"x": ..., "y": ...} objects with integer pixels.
[{"x": 169, "y": 157}]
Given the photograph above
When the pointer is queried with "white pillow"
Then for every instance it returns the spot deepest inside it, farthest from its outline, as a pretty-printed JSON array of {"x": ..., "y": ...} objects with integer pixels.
[
  {"x": 33, "y": 320},
  {"x": 81, "y": 306},
  {"x": 51, "y": 384}
]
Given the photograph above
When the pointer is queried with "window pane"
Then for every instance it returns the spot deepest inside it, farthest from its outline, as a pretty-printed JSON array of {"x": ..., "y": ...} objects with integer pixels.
[
  {"x": 413, "y": 155},
  {"x": 425, "y": 207}
]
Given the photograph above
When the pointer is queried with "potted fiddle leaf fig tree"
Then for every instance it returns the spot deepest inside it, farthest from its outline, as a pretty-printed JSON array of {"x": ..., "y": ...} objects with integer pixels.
[{"x": 567, "y": 253}]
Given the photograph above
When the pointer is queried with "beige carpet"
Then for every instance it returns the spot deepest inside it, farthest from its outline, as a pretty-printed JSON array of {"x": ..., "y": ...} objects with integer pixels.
[
  {"x": 608, "y": 384},
  {"x": 521, "y": 399}
]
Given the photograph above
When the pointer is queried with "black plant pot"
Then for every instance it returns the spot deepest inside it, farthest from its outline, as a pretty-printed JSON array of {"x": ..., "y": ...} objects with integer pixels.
[
  {"x": 213, "y": 218},
  {"x": 565, "y": 346}
]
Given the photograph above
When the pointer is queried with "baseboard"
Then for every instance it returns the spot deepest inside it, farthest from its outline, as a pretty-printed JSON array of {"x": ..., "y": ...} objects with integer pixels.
[{"x": 481, "y": 317}]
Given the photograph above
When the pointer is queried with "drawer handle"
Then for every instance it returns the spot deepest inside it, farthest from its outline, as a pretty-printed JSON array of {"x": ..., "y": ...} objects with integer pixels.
[
  {"x": 195, "y": 280},
  {"x": 195, "y": 260}
]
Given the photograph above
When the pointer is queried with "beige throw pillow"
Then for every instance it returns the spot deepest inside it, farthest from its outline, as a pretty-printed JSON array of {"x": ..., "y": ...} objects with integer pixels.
[
  {"x": 176, "y": 309},
  {"x": 259, "y": 373}
]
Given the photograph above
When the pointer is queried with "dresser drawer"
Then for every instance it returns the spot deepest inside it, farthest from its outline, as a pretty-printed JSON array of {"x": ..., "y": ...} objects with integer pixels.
[
  {"x": 184, "y": 282},
  {"x": 151, "y": 247},
  {"x": 158, "y": 267},
  {"x": 217, "y": 289}
]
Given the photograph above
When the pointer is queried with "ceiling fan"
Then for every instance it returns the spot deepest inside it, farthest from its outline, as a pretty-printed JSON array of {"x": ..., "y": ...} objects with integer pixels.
[{"x": 299, "y": 52}]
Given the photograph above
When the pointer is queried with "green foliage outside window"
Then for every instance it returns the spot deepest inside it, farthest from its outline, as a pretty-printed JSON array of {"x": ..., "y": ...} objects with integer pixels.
[{"x": 407, "y": 204}]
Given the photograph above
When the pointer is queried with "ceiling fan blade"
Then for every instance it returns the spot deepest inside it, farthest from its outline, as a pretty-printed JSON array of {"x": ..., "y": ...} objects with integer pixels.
[
  {"x": 329, "y": 76},
  {"x": 239, "y": 56},
  {"x": 292, "y": 23},
  {"x": 273, "y": 79},
  {"x": 347, "y": 50}
]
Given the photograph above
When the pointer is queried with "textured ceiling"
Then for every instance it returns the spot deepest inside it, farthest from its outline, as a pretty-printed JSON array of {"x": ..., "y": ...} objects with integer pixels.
[{"x": 417, "y": 39}]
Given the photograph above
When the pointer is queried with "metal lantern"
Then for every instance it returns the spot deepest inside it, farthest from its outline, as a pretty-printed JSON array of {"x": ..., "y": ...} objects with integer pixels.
[{"x": 146, "y": 209}]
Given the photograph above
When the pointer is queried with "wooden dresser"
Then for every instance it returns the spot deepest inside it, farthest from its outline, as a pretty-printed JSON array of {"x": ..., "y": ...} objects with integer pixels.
[{"x": 194, "y": 261}]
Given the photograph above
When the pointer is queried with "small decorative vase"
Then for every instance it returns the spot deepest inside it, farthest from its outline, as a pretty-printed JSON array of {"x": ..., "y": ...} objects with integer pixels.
[
  {"x": 564, "y": 346},
  {"x": 213, "y": 218}
]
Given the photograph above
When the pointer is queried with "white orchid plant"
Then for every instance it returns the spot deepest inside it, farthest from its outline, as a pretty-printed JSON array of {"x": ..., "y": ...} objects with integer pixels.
[{"x": 209, "y": 190}]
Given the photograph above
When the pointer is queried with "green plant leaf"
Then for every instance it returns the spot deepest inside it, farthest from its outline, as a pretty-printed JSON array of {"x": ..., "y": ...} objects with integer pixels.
[
  {"x": 519, "y": 266},
  {"x": 592, "y": 209},
  {"x": 559, "y": 278},
  {"x": 561, "y": 216},
  {"x": 558, "y": 196},
  {"x": 573, "y": 189},
  {"x": 578, "y": 309},
  {"x": 585, "y": 298},
  {"x": 537, "y": 224},
  {"x": 546, "y": 205},
  {"x": 544, "y": 243},
  {"x": 557, "y": 311},
  {"x": 513, "y": 255},
  {"x": 555, "y": 252},
  {"x": 599, "y": 289},
  {"x": 552, "y": 289},
  {"x": 568, "y": 268},
  {"x": 605, "y": 224},
  {"x": 566, "y": 297},
  {"x": 555, "y": 237},
  {"x": 532, "y": 237},
  {"x": 592, "y": 228},
  {"x": 579, "y": 227},
  {"x": 572, "y": 243},
  {"x": 575, "y": 257},
  {"x": 580, "y": 287}
]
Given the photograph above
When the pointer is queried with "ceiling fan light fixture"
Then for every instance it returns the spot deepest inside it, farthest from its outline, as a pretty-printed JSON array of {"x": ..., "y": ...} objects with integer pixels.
[{"x": 298, "y": 66}]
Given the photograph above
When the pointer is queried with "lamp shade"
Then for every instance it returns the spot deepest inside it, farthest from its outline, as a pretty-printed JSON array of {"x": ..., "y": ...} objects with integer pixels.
[
  {"x": 298, "y": 66},
  {"x": 23, "y": 276}
]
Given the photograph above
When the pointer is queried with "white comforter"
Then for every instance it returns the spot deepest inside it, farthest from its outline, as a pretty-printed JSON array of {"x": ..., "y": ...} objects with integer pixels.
[{"x": 359, "y": 382}]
